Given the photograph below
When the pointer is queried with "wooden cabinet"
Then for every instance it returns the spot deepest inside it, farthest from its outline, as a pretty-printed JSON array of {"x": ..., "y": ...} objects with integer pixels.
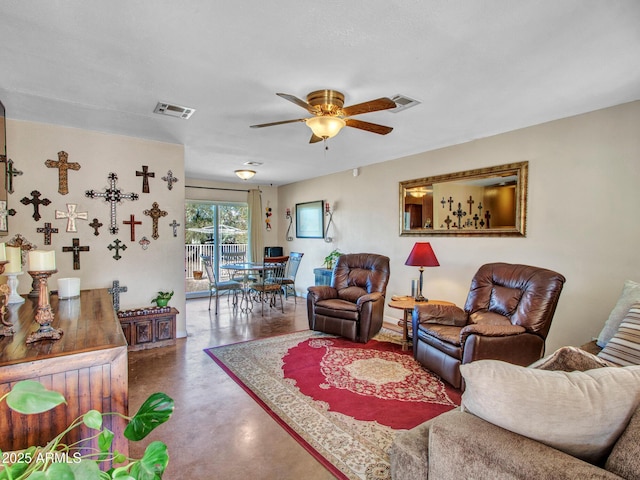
[
  {"x": 88, "y": 365},
  {"x": 149, "y": 328}
]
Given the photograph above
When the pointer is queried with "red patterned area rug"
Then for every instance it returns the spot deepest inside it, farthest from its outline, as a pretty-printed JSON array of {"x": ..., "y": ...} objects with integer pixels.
[{"x": 343, "y": 401}]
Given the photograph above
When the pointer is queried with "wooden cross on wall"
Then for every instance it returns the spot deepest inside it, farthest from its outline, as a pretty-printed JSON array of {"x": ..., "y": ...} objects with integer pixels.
[
  {"x": 63, "y": 166},
  {"x": 76, "y": 249},
  {"x": 95, "y": 224},
  {"x": 145, "y": 173},
  {"x": 155, "y": 213},
  {"x": 35, "y": 200},
  {"x": 113, "y": 195},
  {"x": 47, "y": 230},
  {"x": 471, "y": 201},
  {"x": 115, "y": 292},
  {"x": 71, "y": 215},
  {"x": 132, "y": 225}
]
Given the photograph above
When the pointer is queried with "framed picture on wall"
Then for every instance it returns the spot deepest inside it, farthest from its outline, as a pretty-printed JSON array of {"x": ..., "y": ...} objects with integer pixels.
[{"x": 310, "y": 219}]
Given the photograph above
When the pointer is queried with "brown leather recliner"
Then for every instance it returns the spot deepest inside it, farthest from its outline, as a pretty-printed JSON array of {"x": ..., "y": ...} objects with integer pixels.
[
  {"x": 353, "y": 305},
  {"x": 506, "y": 317}
]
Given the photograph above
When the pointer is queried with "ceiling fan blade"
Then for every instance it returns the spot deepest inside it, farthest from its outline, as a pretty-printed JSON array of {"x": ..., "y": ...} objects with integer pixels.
[
  {"x": 369, "y": 127},
  {"x": 315, "y": 138},
  {"x": 298, "y": 101},
  {"x": 278, "y": 123},
  {"x": 382, "y": 103}
]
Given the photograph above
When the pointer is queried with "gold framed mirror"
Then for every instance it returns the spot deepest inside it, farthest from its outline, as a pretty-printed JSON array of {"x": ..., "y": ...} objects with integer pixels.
[{"x": 488, "y": 201}]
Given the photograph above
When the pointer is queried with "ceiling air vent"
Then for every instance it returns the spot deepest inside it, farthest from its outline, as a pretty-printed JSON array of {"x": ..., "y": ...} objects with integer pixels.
[
  {"x": 174, "y": 110},
  {"x": 403, "y": 102}
]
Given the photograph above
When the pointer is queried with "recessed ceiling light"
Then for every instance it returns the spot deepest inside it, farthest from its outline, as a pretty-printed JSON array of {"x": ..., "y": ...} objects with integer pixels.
[
  {"x": 174, "y": 110},
  {"x": 253, "y": 164}
]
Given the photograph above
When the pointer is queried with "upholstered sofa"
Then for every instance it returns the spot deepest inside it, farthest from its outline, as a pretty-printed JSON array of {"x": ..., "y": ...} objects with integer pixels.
[{"x": 460, "y": 445}]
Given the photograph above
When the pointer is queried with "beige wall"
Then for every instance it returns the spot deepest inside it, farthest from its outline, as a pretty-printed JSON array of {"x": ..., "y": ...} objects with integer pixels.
[
  {"x": 143, "y": 272},
  {"x": 582, "y": 215}
]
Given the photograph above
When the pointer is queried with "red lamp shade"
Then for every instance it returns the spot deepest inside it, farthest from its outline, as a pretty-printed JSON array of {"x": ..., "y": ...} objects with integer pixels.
[{"x": 422, "y": 256}]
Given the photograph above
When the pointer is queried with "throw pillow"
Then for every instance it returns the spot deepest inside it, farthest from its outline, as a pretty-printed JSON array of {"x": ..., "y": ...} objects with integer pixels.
[
  {"x": 580, "y": 413},
  {"x": 441, "y": 314},
  {"x": 570, "y": 359},
  {"x": 624, "y": 348},
  {"x": 630, "y": 295}
]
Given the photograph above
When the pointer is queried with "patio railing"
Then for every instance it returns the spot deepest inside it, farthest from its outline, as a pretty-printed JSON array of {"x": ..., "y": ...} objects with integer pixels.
[{"x": 228, "y": 253}]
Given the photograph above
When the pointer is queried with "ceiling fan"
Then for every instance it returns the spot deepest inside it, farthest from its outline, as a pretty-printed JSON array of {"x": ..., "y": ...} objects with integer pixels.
[{"x": 330, "y": 115}]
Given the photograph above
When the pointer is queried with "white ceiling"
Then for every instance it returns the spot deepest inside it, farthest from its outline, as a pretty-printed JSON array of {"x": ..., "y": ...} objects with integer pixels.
[{"x": 479, "y": 67}]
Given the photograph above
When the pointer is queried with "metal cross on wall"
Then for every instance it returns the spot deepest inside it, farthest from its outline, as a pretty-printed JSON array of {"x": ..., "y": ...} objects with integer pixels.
[
  {"x": 95, "y": 224},
  {"x": 132, "y": 224},
  {"x": 487, "y": 217},
  {"x": 71, "y": 215},
  {"x": 4, "y": 225},
  {"x": 117, "y": 245},
  {"x": 471, "y": 201},
  {"x": 115, "y": 292},
  {"x": 450, "y": 202},
  {"x": 63, "y": 166},
  {"x": 11, "y": 172},
  {"x": 175, "y": 226},
  {"x": 35, "y": 200},
  {"x": 155, "y": 213},
  {"x": 170, "y": 179},
  {"x": 113, "y": 195},
  {"x": 145, "y": 173},
  {"x": 76, "y": 249},
  {"x": 459, "y": 213},
  {"x": 47, "y": 230}
]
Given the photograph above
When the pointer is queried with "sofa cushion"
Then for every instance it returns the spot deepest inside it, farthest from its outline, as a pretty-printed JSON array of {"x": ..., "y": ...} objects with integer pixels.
[
  {"x": 569, "y": 359},
  {"x": 625, "y": 456},
  {"x": 624, "y": 348},
  {"x": 630, "y": 295},
  {"x": 579, "y": 413}
]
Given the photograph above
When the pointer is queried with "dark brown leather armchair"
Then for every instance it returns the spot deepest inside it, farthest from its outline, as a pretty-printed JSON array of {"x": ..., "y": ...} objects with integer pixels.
[
  {"x": 353, "y": 305},
  {"x": 506, "y": 317}
]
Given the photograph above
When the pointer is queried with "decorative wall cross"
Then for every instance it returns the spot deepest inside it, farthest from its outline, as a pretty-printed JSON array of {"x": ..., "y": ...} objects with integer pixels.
[
  {"x": 47, "y": 230},
  {"x": 117, "y": 245},
  {"x": 4, "y": 213},
  {"x": 71, "y": 215},
  {"x": 155, "y": 213},
  {"x": 76, "y": 249},
  {"x": 35, "y": 200},
  {"x": 175, "y": 226},
  {"x": 145, "y": 173},
  {"x": 63, "y": 166},
  {"x": 471, "y": 201},
  {"x": 170, "y": 179},
  {"x": 113, "y": 195},
  {"x": 144, "y": 243},
  {"x": 95, "y": 224},
  {"x": 443, "y": 202},
  {"x": 11, "y": 172},
  {"x": 115, "y": 291},
  {"x": 487, "y": 217},
  {"x": 448, "y": 222},
  {"x": 132, "y": 224},
  {"x": 459, "y": 213},
  {"x": 450, "y": 202}
]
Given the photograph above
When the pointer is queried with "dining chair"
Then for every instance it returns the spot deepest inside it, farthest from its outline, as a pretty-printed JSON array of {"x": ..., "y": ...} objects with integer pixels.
[
  {"x": 289, "y": 280},
  {"x": 216, "y": 287},
  {"x": 269, "y": 285}
]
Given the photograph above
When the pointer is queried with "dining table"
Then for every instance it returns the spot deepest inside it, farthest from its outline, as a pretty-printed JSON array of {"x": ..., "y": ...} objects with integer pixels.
[{"x": 246, "y": 269}]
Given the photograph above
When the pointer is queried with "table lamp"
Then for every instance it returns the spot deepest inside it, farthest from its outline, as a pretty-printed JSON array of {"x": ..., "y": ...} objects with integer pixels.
[{"x": 422, "y": 256}]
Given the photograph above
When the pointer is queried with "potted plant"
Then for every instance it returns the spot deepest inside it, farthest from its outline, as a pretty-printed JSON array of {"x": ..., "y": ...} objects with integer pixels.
[
  {"x": 162, "y": 299},
  {"x": 330, "y": 259},
  {"x": 61, "y": 461}
]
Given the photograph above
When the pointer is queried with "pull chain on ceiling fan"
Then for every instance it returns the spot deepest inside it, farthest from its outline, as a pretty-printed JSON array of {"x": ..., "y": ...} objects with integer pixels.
[{"x": 330, "y": 116}]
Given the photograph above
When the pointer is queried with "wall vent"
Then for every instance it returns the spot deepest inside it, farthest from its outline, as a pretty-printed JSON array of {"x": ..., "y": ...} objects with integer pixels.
[
  {"x": 174, "y": 110},
  {"x": 403, "y": 102}
]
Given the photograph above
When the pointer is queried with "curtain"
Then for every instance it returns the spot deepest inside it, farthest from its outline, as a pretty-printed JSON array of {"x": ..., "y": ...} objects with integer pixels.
[{"x": 256, "y": 240}]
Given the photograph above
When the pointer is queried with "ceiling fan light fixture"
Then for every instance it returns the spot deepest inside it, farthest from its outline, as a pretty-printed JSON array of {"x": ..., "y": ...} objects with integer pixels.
[
  {"x": 325, "y": 126},
  {"x": 245, "y": 174}
]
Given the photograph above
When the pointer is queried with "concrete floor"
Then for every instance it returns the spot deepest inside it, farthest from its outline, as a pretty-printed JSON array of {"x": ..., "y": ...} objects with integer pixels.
[{"x": 217, "y": 431}]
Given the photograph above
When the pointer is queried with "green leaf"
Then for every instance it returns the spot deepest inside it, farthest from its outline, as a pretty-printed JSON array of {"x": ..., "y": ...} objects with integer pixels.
[
  {"x": 60, "y": 471},
  {"x": 17, "y": 468},
  {"x": 93, "y": 419},
  {"x": 152, "y": 464},
  {"x": 29, "y": 397},
  {"x": 154, "y": 412},
  {"x": 85, "y": 470},
  {"x": 105, "y": 439},
  {"x": 119, "y": 457}
]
